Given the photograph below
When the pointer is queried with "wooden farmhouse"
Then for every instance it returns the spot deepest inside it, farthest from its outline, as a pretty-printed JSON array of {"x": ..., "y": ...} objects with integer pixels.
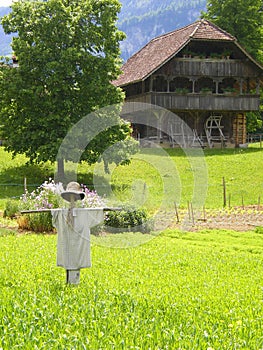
[{"x": 202, "y": 75}]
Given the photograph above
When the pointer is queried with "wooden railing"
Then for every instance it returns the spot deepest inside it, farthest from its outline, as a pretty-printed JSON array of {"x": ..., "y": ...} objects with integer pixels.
[
  {"x": 198, "y": 101},
  {"x": 209, "y": 67}
]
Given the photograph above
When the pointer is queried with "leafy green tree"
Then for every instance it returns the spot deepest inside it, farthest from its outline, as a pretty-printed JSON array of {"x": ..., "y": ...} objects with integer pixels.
[
  {"x": 244, "y": 20},
  {"x": 241, "y": 18},
  {"x": 68, "y": 54}
]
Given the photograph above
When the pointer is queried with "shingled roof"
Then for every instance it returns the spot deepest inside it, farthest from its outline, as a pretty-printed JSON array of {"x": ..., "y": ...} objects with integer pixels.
[{"x": 163, "y": 48}]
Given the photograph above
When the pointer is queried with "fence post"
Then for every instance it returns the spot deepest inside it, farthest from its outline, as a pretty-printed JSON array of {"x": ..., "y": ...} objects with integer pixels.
[
  {"x": 192, "y": 212},
  {"x": 224, "y": 192},
  {"x": 176, "y": 212},
  {"x": 25, "y": 186}
]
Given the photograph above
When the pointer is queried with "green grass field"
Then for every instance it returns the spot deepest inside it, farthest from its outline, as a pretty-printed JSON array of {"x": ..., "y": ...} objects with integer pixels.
[
  {"x": 153, "y": 178},
  {"x": 179, "y": 291},
  {"x": 172, "y": 290}
]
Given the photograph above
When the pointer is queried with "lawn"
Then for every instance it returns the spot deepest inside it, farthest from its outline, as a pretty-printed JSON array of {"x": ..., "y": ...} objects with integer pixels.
[
  {"x": 156, "y": 177},
  {"x": 167, "y": 290},
  {"x": 178, "y": 291}
]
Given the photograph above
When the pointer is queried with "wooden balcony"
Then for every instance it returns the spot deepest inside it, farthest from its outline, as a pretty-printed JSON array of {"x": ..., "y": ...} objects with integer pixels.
[
  {"x": 208, "y": 67},
  {"x": 199, "y": 101}
]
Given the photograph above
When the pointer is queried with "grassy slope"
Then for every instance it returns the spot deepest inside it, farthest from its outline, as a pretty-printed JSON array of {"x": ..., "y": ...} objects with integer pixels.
[
  {"x": 189, "y": 291},
  {"x": 242, "y": 170}
]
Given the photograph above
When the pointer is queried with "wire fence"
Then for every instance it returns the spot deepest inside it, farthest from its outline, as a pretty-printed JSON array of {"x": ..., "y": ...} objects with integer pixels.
[
  {"x": 223, "y": 193},
  {"x": 255, "y": 138}
]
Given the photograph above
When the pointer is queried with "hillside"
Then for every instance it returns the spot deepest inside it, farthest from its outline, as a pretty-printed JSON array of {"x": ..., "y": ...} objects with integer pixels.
[{"x": 141, "y": 20}]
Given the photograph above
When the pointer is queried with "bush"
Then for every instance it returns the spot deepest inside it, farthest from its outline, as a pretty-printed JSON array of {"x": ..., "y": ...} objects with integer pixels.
[
  {"x": 37, "y": 222},
  {"x": 128, "y": 219},
  {"x": 48, "y": 196},
  {"x": 11, "y": 209},
  {"x": 259, "y": 229}
]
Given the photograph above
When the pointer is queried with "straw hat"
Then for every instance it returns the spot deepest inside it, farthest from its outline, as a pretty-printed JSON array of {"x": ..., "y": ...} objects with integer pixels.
[{"x": 73, "y": 189}]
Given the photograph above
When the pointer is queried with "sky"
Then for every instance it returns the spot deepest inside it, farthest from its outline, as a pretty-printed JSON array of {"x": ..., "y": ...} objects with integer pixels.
[{"x": 5, "y": 3}]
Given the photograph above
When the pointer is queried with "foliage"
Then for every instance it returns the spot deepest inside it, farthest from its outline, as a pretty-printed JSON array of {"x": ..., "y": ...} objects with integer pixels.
[
  {"x": 259, "y": 229},
  {"x": 91, "y": 199},
  {"x": 106, "y": 149},
  {"x": 200, "y": 290},
  {"x": 68, "y": 54},
  {"x": 47, "y": 196},
  {"x": 36, "y": 222},
  {"x": 254, "y": 122},
  {"x": 242, "y": 19},
  {"x": 128, "y": 219},
  {"x": 11, "y": 209},
  {"x": 141, "y": 21}
]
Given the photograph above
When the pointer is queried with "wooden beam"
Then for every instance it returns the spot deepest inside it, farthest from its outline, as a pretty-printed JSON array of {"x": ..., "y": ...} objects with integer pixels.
[{"x": 49, "y": 210}]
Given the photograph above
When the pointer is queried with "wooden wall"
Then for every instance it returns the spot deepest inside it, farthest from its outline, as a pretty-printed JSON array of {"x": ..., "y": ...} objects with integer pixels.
[{"x": 239, "y": 129}]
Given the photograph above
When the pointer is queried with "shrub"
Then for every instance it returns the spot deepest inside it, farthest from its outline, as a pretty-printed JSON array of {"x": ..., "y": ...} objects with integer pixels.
[
  {"x": 92, "y": 199},
  {"x": 48, "y": 196},
  {"x": 259, "y": 229},
  {"x": 11, "y": 209},
  {"x": 37, "y": 222},
  {"x": 129, "y": 219}
]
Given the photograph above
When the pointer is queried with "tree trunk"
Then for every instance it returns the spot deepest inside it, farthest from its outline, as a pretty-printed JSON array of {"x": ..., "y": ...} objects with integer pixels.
[{"x": 60, "y": 170}]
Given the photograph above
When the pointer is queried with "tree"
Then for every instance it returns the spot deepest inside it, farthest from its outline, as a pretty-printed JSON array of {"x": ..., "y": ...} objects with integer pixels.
[
  {"x": 241, "y": 18},
  {"x": 244, "y": 20},
  {"x": 68, "y": 54}
]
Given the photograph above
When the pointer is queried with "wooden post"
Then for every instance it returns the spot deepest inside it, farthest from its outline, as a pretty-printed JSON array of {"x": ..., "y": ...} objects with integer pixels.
[
  {"x": 144, "y": 192},
  {"x": 60, "y": 169},
  {"x": 25, "y": 186},
  {"x": 204, "y": 213},
  {"x": 192, "y": 212},
  {"x": 224, "y": 191},
  {"x": 176, "y": 212},
  {"x": 189, "y": 212}
]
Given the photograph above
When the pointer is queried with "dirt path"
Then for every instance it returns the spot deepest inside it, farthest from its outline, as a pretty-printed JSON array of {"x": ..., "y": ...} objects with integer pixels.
[{"x": 237, "y": 219}]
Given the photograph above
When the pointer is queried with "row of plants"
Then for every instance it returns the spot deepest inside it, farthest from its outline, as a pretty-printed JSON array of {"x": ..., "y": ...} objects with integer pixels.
[
  {"x": 224, "y": 55},
  {"x": 226, "y": 90},
  {"x": 48, "y": 196}
]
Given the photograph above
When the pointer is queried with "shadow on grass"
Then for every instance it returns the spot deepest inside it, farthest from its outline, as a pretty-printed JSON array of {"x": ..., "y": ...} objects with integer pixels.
[
  {"x": 179, "y": 152},
  {"x": 35, "y": 174},
  {"x": 12, "y": 180}
]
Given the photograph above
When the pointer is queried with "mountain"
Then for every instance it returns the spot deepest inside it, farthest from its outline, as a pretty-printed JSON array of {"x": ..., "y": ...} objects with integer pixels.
[
  {"x": 140, "y": 20},
  {"x": 143, "y": 20}
]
